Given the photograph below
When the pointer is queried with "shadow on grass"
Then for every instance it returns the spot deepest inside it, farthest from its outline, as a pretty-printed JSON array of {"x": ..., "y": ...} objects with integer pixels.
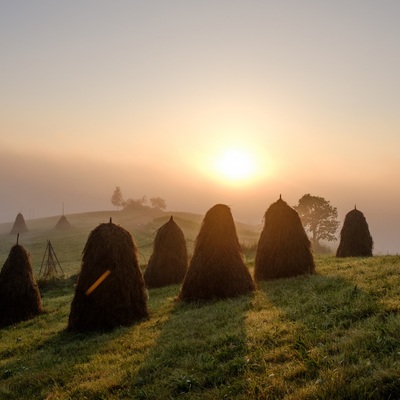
[
  {"x": 40, "y": 359},
  {"x": 34, "y": 369},
  {"x": 336, "y": 340},
  {"x": 201, "y": 352}
]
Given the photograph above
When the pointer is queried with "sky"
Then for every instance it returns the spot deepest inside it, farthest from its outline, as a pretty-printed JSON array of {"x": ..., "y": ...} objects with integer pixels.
[{"x": 201, "y": 102}]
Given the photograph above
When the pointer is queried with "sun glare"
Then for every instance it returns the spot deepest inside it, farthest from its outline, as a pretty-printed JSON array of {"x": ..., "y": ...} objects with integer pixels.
[{"x": 235, "y": 165}]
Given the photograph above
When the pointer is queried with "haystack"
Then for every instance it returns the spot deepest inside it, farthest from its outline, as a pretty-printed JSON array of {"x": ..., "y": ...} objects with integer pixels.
[
  {"x": 283, "y": 249},
  {"x": 217, "y": 269},
  {"x": 355, "y": 238},
  {"x": 19, "y": 225},
  {"x": 63, "y": 224},
  {"x": 110, "y": 291},
  {"x": 19, "y": 294},
  {"x": 169, "y": 262}
]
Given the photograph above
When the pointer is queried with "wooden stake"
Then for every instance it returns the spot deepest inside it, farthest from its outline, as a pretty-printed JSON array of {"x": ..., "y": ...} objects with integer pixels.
[{"x": 97, "y": 283}]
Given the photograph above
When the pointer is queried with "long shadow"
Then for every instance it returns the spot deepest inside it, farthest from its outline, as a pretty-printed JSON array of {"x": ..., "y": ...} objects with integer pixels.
[
  {"x": 331, "y": 333},
  {"x": 36, "y": 370},
  {"x": 200, "y": 352},
  {"x": 41, "y": 358}
]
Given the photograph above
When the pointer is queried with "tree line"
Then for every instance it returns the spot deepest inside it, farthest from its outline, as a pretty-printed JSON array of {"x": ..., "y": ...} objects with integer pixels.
[{"x": 118, "y": 201}]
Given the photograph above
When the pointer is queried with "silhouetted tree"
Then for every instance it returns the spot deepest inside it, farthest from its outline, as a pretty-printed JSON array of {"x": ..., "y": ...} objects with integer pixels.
[
  {"x": 135, "y": 204},
  {"x": 117, "y": 199},
  {"x": 319, "y": 218},
  {"x": 158, "y": 202}
]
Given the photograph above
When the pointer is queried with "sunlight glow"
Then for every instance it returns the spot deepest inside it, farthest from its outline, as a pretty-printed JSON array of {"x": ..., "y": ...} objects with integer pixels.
[
  {"x": 235, "y": 165},
  {"x": 232, "y": 154}
]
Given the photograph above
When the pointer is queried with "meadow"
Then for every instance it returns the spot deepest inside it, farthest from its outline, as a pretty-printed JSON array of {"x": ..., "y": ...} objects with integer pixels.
[{"x": 333, "y": 335}]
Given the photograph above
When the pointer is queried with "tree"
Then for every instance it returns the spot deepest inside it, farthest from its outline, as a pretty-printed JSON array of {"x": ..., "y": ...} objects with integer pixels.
[
  {"x": 117, "y": 199},
  {"x": 158, "y": 202},
  {"x": 135, "y": 204},
  {"x": 319, "y": 218}
]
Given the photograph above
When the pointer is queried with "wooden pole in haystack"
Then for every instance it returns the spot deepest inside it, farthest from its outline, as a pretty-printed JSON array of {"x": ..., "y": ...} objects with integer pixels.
[
  {"x": 50, "y": 266},
  {"x": 19, "y": 294},
  {"x": 19, "y": 225},
  {"x": 355, "y": 237},
  {"x": 217, "y": 269},
  {"x": 105, "y": 300},
  {"x": 283, "y": 250},
  {"x": 169, "y": 261}
]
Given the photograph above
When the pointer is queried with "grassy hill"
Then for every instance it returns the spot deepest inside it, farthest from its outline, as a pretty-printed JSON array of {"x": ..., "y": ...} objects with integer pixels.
[
  {"x": 334, "y": 335},
  {"x": 68, "y": 245}
]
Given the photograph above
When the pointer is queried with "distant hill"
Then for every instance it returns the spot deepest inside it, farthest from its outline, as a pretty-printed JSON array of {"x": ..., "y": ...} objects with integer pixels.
[{"x": 68, "y": 244}]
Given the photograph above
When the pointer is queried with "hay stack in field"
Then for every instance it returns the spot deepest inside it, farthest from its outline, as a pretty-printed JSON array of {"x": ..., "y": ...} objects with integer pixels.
[
  {"x": 63, "y": 224},
  {"x": 19, "y": 294},
  {"x": 169, "y": 261},
  {"x": 355, "y": 238},
  {"x": 217, "y": 269},
  {"x": 110, "y": 291},
  {"x": 283, "y": 249},
  {"x": 19, "y": 225}
]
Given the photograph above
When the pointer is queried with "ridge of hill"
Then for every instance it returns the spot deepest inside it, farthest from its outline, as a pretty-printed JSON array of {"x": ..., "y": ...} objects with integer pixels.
[{"x": 68, "y": 244}]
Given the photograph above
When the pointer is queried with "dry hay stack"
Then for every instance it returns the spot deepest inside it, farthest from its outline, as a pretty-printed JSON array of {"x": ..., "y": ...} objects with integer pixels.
[
  {"x": 283, "y": 249},
  {"x": 19, "y": 294},
  {"x": 118, "y": 300},
  {"x": 19, "y": 225},
  {"x": 216, "y": 269},
  {"x": 169, "y": 261},
  {"x": 355, "y": 238},
  {"x": 62, "y": 224}
]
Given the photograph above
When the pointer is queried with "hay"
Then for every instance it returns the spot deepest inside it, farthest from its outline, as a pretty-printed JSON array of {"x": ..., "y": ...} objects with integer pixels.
[
  {"x": 63, "y": 224},
  {"x": 283, "y": 250},
  {"x": 169, "y": 261},
  {"x": 355, "y": 238},
  {"x": 19, "y": 225},
  {"x": 121, "y": 298},
  {"x": 216, "y": 269},
  {"x": 19, "y": 294}
]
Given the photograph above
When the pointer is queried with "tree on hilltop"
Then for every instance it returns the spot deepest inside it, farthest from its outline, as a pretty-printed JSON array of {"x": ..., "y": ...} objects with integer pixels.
[
  {"x": 117, "y": 199},
  {"x": 135, "y": 204},
  {"x": 319, "y": 218},
  {"x": 158, "y": 203}
]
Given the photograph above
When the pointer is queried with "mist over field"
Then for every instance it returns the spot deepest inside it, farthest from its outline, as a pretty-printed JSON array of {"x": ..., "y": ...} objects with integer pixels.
[
  {"x": 201, "y": 103},
  {"x": 40, "y": 187}
]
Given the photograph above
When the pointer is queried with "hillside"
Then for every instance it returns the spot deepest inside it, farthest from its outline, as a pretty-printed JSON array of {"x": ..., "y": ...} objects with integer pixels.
[
  {"x": 329, "y": 336},
  {"x": 333, "y": 335},
  {"x": 68, "y": 244}
]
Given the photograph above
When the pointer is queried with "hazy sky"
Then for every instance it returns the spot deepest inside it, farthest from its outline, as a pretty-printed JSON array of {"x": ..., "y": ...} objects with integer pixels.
[{"x": 147, "y": 95}]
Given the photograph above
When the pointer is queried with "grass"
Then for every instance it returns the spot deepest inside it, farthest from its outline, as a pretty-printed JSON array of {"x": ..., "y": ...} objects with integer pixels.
[{"x": 334, "y": 335}]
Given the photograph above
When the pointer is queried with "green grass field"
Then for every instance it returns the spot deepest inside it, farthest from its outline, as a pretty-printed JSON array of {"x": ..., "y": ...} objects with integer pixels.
[{"x": 334, "y": 335}]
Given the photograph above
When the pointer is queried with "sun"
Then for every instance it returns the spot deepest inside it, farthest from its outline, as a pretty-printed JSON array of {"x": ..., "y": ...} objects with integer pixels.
[{"x": 235, "y": 165}]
